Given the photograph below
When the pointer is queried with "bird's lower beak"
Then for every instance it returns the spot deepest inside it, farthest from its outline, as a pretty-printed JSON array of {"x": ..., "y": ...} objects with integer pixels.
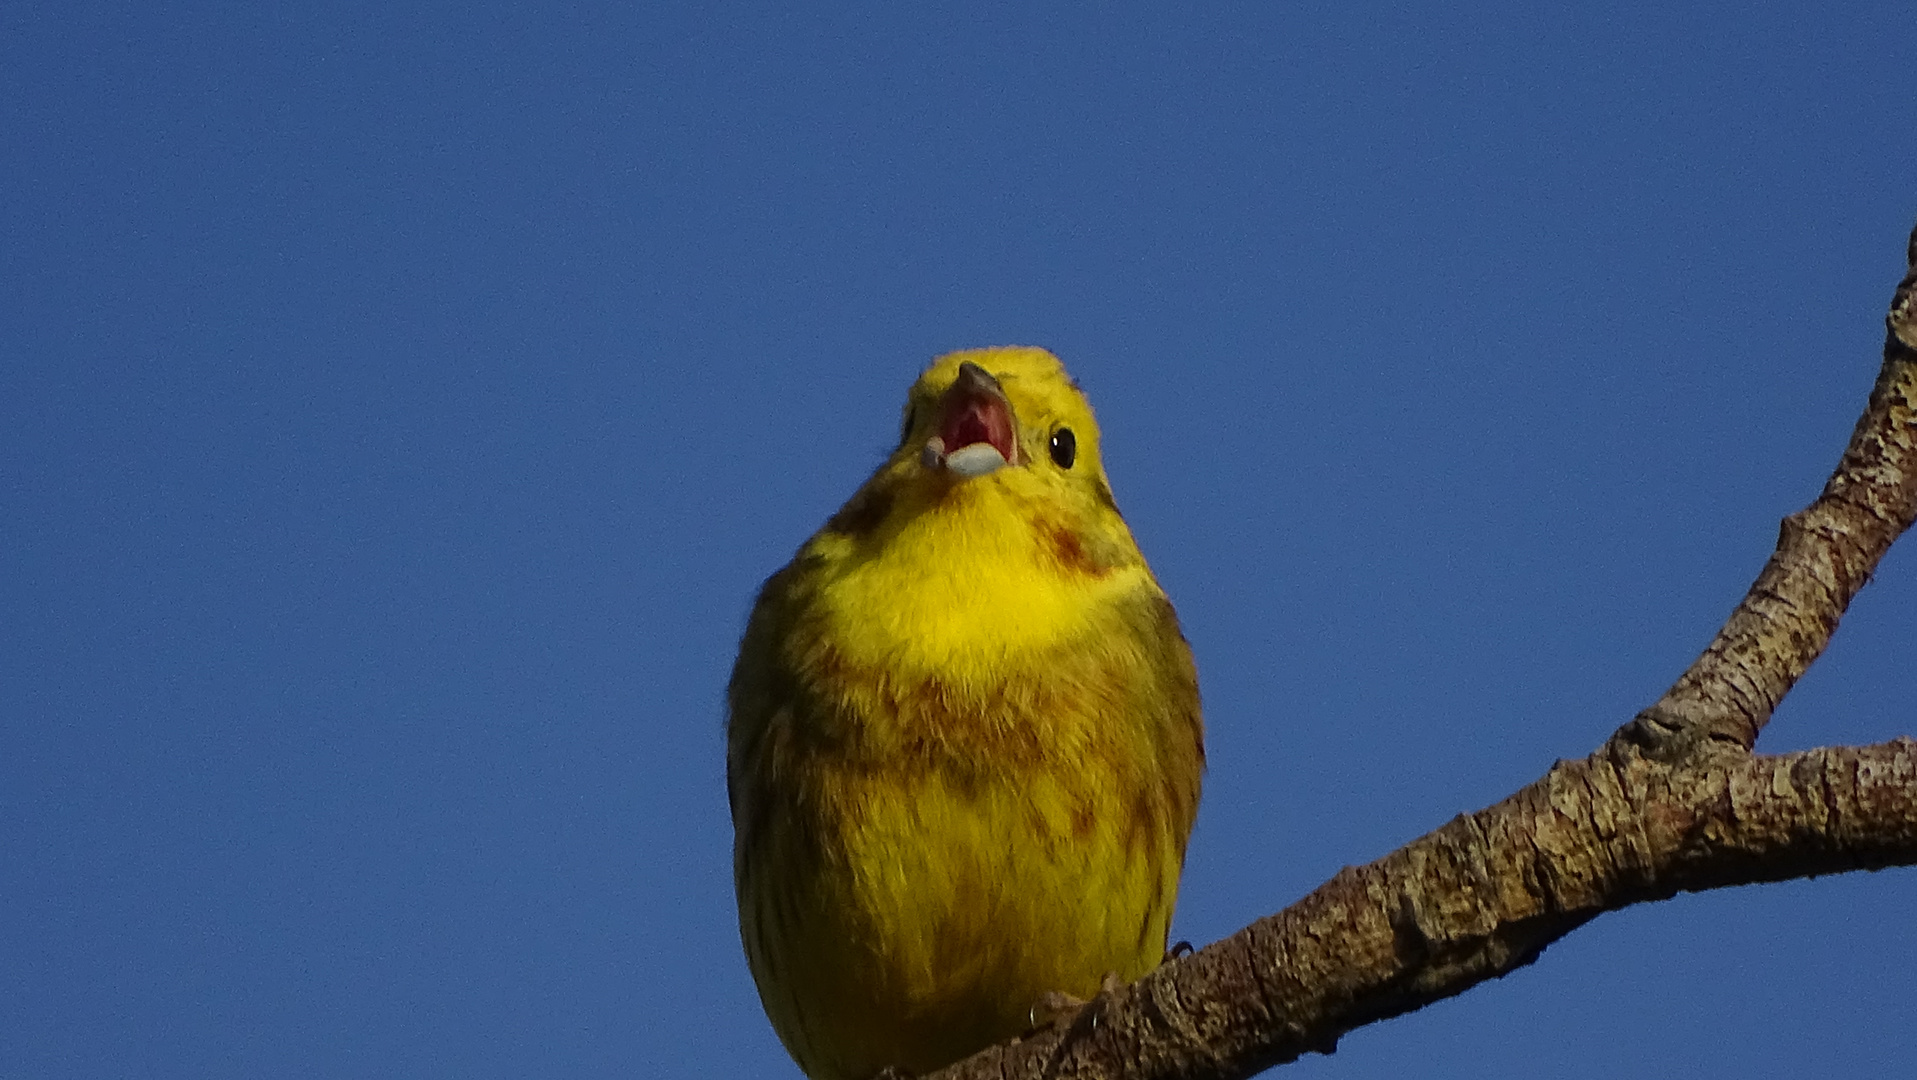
[{"x": 976, "y": 431}]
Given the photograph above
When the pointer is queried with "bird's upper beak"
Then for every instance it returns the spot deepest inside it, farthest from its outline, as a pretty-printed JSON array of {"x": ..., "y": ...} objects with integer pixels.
[{"x": 976, "y": 433}]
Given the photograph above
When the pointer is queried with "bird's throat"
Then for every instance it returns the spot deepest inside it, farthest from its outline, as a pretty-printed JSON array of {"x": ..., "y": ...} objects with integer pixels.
[{"x": 967, "y": 584}]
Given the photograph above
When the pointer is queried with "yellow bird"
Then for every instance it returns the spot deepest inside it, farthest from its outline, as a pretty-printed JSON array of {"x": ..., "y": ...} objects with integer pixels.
[{"x": 964, "y": 746}]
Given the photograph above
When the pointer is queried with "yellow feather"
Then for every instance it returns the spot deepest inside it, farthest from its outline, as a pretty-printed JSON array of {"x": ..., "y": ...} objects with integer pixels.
[{"x": 964, "y": 748}]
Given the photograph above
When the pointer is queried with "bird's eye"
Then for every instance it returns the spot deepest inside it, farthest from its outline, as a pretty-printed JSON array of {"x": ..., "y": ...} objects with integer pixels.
[{"x": 1064, "y": 447}]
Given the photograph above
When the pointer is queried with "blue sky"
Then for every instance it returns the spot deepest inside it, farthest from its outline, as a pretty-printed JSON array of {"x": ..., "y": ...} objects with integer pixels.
[{"x": 402, "y": 403}]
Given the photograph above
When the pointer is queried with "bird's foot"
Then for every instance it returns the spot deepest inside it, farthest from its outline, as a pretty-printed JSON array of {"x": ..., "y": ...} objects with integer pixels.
[{"x": 1058, "y": 1009}]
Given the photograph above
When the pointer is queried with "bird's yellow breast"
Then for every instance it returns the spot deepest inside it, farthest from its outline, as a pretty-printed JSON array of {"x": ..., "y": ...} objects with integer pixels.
[{"x": 969, "y": 588}]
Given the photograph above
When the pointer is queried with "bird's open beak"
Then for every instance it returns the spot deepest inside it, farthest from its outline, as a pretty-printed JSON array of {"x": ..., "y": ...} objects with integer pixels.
[{"x": 976, "y": 433}]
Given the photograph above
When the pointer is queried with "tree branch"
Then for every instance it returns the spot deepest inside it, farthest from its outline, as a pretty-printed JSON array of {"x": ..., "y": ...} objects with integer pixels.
[
  {"x": 1673, "y": 802},
  {"x": 1825, "y": 553}
]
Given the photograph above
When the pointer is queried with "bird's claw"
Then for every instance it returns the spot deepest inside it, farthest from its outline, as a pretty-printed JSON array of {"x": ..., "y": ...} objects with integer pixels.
[{"x": 1057, "y": 1009}]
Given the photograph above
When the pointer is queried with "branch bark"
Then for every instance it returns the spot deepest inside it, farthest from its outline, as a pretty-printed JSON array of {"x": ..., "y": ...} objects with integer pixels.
[{"x": 1675, "y": 801}]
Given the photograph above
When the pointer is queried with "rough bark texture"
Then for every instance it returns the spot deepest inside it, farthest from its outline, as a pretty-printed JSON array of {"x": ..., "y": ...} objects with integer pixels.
[{"x": 1674, "y": 802}]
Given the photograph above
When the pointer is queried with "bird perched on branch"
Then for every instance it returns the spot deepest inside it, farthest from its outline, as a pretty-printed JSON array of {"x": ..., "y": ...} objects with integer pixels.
[{"x": 964, "y": 746}]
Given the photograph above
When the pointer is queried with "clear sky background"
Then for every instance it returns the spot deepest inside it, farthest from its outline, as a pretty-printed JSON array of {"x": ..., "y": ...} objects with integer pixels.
[{"x": 402, "y": 402}]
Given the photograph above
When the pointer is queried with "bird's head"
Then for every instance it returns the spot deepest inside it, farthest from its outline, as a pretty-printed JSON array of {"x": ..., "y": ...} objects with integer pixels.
[
  {"x": 998, "y": 461},
  {"x": 977, "y": 413}
]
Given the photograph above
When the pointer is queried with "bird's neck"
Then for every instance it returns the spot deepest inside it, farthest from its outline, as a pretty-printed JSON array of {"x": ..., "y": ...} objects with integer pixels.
[{"x": 964, "y": 588}]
